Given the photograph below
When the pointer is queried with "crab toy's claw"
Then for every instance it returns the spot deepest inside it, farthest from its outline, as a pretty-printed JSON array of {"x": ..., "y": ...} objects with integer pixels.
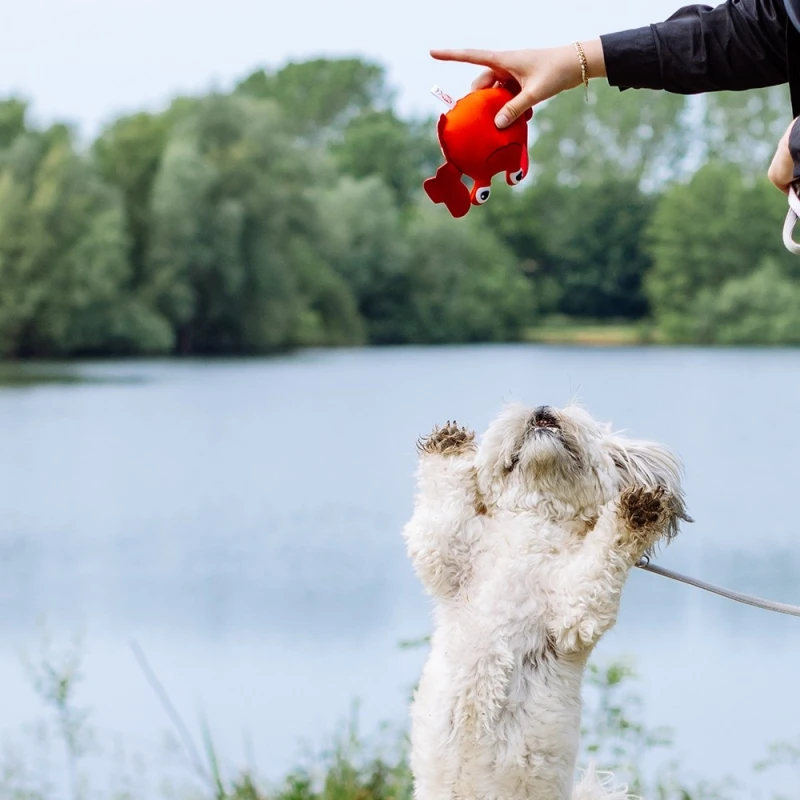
[{"x": 446, "y": 187}]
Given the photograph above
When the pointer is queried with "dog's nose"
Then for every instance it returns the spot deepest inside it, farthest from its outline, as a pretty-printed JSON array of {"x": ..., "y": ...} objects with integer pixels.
[{"x": 545, "y": 417}]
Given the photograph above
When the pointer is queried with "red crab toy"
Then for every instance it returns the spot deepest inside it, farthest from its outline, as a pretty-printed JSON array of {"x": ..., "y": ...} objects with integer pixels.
[{"x": 474, "y": 146}]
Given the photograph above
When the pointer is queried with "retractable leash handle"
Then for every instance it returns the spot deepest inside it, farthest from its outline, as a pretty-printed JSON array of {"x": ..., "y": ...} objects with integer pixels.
[{"x": 792, "y": 216}]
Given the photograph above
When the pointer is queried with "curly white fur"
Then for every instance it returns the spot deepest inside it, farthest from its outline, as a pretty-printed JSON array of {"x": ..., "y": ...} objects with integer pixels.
[{"x": 525, "y": 542}]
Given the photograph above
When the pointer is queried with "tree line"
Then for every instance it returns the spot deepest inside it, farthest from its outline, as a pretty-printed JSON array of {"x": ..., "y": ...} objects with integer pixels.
[{"x": 288, "y": 213}]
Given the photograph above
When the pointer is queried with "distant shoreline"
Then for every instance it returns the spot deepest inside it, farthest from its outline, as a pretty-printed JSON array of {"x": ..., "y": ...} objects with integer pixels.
[
  {"x": 592, "y": 334},
  {"x": 34, "y": 371}
]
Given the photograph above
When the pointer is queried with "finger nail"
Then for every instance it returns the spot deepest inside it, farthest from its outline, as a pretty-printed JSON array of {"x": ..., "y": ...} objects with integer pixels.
[{"x": 501, "y": 120}]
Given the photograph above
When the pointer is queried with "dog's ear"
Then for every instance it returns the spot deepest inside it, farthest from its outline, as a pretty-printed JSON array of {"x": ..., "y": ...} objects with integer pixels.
[{"x": 651, "y": 465}]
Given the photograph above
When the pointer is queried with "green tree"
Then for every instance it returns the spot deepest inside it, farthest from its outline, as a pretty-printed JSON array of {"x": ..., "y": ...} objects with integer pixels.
[
  {"x": 402, "y": 154},
  {"x": 718, "y": 226},
  {"x": 329, "y": 315},
  {"x": 321, "y": 95},
  {"x": 13, "y": 113},
  {"x": 762, "y": 308},
  {"x": 583, "y": 247},
  {"x": 227, "y": 262},
  {"x": 422, "y": 277},
  {"x": 636, "y": 136},
  {"x": 128, "y": 154},
  {"x": 464, "y": 285},
  {"x": 743, "y": 128},
  {"x": 365, "y": 243},
  {"x": 63, "y": 262}
]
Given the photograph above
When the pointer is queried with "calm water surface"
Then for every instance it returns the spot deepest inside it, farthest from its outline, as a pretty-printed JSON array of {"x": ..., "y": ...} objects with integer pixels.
[{"x": 241, "y": 521}]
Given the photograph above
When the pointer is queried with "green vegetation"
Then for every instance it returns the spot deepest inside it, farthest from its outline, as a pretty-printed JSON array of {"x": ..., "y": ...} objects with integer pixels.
[
  {"x": 288, "y": 213},
  {"x": 352, "y": 768}
]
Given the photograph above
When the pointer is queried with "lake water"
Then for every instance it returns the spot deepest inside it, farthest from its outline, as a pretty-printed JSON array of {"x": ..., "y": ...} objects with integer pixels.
[{"x": 241, "y": 521}]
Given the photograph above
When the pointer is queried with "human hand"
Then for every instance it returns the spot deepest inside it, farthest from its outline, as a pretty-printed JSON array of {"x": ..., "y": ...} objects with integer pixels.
[
  {"x": 781, "y": 170},
  {"x": 533, "y": 75}
]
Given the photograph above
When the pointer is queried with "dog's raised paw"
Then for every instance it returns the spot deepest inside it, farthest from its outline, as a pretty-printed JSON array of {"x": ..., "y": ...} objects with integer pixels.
[
  {"x": 447, "y": 439},
  {"x": 644, "y": 510}
]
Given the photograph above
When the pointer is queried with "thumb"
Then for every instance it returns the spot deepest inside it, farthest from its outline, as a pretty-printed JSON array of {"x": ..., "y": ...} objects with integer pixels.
[{"x": 513, "y": 110}]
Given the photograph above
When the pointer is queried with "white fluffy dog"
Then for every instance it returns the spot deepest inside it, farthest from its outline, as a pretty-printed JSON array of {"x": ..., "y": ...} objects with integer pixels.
[{"x": 525, "y": 542}]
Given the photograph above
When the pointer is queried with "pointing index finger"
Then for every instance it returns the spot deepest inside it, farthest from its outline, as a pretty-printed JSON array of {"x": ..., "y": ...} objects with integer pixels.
[{"x": 484, "y": 58}]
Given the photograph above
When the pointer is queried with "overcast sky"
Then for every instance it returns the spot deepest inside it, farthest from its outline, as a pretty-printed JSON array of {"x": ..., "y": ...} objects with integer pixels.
[{"x": 87, "y": 61}]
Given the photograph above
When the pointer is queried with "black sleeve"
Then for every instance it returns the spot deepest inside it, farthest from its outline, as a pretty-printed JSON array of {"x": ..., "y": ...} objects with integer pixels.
[{"x": 738, "y": 45}]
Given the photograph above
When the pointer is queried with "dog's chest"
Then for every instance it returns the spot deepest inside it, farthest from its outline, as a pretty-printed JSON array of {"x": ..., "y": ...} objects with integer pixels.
[{"x": 511, "y": 579}]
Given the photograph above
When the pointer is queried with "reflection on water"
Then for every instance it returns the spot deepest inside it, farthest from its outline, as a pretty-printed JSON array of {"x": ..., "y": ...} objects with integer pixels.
[{"x": 242, "y": 521}]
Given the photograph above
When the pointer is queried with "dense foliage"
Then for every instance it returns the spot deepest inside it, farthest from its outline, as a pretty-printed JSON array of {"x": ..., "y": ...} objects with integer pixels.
[{"x": 288, "y": 213}]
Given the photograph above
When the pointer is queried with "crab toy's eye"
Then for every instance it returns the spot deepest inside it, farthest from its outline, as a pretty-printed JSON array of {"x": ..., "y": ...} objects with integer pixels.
[
  {"x": 515, "y": 177},
  {"x": 482, "y": 195}
]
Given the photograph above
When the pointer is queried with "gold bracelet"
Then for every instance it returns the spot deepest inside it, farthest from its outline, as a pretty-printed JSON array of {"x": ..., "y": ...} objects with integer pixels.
[{"x": 584, "y": 68}]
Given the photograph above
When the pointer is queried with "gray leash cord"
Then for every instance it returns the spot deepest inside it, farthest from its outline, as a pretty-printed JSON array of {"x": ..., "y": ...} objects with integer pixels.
[{"x": 747, "y": 599}]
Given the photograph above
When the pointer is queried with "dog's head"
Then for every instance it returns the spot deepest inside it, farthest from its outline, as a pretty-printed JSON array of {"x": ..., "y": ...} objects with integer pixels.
[{"x": 565, "y": 458}]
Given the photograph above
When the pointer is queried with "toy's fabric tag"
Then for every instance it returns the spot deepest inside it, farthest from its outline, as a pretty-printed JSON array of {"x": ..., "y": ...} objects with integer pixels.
[{"x": 443, "y": 96}]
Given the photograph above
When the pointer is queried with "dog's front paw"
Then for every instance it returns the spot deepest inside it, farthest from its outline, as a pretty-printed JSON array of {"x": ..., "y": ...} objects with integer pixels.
[
  {"x": 447, "y": 440},
  {"x": 645, "y": 513},
  {"x": 644, "y": 509}
]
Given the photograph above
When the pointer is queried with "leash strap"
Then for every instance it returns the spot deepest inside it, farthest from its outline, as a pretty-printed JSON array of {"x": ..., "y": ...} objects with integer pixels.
[
  {"x": 747, "y": 599},
  {"x": 791, "y": 220}
]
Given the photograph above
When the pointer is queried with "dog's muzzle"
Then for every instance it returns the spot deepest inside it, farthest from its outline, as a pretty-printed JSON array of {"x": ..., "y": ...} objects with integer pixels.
[{"x": 543, "y": 420}]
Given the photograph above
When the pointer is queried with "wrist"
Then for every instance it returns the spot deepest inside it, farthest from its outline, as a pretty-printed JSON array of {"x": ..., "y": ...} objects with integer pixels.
[
  {"x": 569, "y": 66},
  {"x": 595, "y": 58},
  {"x": 570, "y": 63}
]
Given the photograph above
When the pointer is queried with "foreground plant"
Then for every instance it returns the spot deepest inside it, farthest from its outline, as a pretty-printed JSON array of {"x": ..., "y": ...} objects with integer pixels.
[{"x": 353, "y": 767}]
